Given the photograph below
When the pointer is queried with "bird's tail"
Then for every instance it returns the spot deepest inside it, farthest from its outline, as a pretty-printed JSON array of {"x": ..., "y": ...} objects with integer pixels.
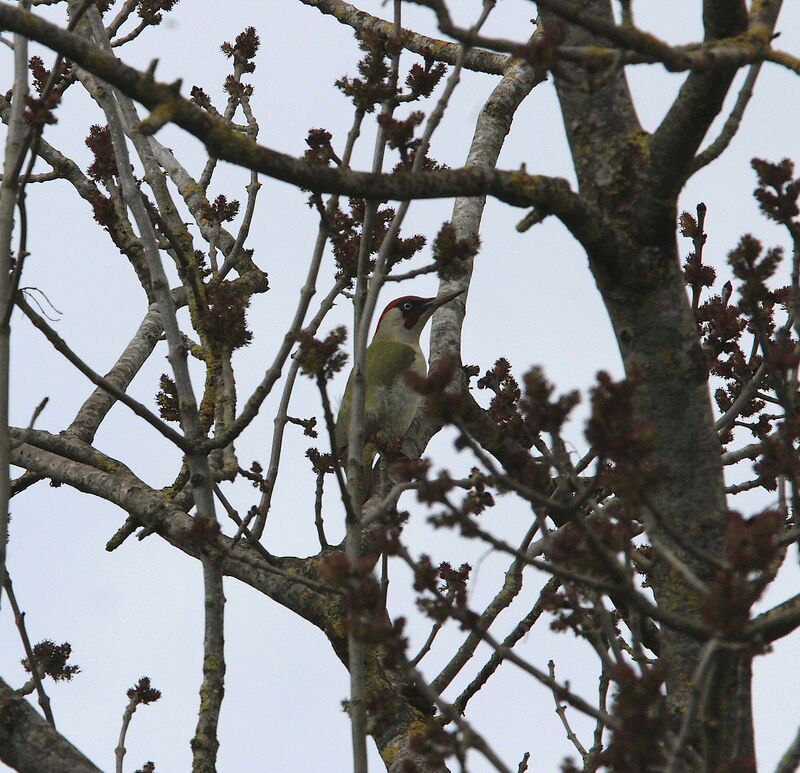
[{"x": 368, "y": 460}]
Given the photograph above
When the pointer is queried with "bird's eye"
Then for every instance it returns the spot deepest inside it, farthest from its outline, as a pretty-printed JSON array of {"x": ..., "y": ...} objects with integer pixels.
[{"x": 407, "y": 306}]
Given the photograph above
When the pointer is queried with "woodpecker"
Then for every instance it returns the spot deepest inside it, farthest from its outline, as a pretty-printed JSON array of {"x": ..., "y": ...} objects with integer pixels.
[{"x": 390, "y": 403}]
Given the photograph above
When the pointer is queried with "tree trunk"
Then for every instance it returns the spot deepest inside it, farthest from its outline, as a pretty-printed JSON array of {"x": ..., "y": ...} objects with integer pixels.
[{"x": 624, "y": 177}]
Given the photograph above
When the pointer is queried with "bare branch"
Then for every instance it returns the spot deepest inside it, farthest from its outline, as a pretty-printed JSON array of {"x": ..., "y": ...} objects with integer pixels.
[
  {"x": 205, "y": 742},
  {"x": 700, "y": 99},
  {"x": 28, "y": 742},
  {"x": 280, "y": 418},
  {"x": 108, "y": 386},
  {"x": 517, "y": 188},
  {"x": 439, "y": 50},
  {"x": 99, "y": 403},
  {"x": 725, "y": 422},
  {"x": 777, "y": 622},
  {"x": 519, "y": 631},
  {"x": 15, "y": 150},
  {"x": 470, "y": 736},
  {"x": 561, "y": 710},
  {"x": 511, "y": 588},
  {"x": 119, "y": 125},
  {"x": 731, "y": 126},
  {"x": 44, "y": 177},
  {"x": 141, "y": 693},
  {"x": 791, "y": 757},
  {"x": 35, "y": 415},
  {"x": 19, "y": 619},
  {"x": 128, "y": 7},
  {"x": 468, "y": 618}
]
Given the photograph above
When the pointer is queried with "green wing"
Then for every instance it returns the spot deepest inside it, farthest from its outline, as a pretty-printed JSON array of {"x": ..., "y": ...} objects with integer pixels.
[{"x": 386, "y": 362}]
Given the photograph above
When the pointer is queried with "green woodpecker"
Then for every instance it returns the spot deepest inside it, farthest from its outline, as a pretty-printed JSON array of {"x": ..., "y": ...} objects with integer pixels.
[{"x": 390, "y": 403}]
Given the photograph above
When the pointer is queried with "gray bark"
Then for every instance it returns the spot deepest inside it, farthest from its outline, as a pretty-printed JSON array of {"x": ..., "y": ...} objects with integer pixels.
[
  {"x": 631, "y": 180},
  {"x": 29, "y": 745}
]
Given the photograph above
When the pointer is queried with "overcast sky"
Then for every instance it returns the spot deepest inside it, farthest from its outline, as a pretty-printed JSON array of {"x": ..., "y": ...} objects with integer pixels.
[{"x": 138, "y": 611}]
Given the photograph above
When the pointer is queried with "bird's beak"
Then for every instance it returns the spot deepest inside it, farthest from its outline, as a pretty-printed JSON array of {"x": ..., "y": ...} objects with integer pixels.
[{"x": 441, "y": 300}]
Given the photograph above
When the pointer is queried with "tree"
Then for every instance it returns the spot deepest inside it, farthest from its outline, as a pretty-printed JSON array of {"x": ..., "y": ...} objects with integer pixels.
[{"x": 631, "y": 544}]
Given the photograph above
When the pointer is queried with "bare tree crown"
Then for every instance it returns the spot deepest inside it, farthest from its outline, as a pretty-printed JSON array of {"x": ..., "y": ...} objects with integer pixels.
[{"x": 625, "y": 537}]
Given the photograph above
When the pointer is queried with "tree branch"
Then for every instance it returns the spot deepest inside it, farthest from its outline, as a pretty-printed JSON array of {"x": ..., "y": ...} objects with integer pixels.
[
  {"x": 205, "y": 742},
  {"x": 701, "y": 96},
  {"x": 112, "y": 481},
  {"x": 19, "y": 619},
  {"x": 552, "y": 195},
  {"x": 732, "y": 124},
  {"x": 29, "y": 744},
  {"x": 438, "y": 50},
  {"x": 520, "y": 630},
  {"x": 107, "y": 386},
  {"x": 119, "y": 125},
  {"x": 14, "y": 153},
  {"x": 777, "y": 622},
  {"x": 511, "y": 588},
  {"x": 96, "y": 407},
  {"x": 791, "y": 757}
]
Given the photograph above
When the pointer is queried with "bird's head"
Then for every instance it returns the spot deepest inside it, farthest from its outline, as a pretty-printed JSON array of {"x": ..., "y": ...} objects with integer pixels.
[{"x": 405, "y": 317}]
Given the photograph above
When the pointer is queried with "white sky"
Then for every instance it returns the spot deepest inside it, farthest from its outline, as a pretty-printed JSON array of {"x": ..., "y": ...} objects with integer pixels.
[{"x": 138, "y": 611}]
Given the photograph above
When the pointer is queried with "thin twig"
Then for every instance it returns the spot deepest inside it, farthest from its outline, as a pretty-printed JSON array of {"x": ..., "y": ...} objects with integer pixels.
[
  {"x": 561, "y": 710},
  {"x": 121, "y": 116},
  {"x": 270, "y": 562},
  {"x": 725, "y": 422},
  {"x": 748, "y": 485},
  {"x": 467, "y": 618},
  {"x": 36, "y": 413},
  {"x": 142, "y": 693},
  {"x": 422, "y": 270},
  {"x": 244, "y": 229},
  {"x": 790, "y": 761},
  {"x": 19, "y": 619},
  {"x": 602, "y": 700},
  {"x": 280, "y": 421},
  {"x": 512, "y": 585},
  {"x": 43, "y": 177},
  {"x": 519, "y": 631},
  {"x": 330, "y": 426},
  {"x": 426, "y": 647},
  {"x": 60, "y": 345},
  {"x": 280, "y": 417},
  {"x": 132, "y": 35},
  {"x": 122, "y": 16},
  {"x": 127, "y": 715},
  {"x": 470, "y": 737},
  {"x": 731, "y": 126},
  {"x": 319, "y": 523}
]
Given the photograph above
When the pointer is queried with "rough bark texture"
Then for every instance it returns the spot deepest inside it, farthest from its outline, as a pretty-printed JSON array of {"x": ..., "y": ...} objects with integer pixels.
[
  {"x": 29, "y": 745},
  {"x": 625, "y": 217},
  {"x": 642, "y": 286},
  {"x": 493, "y": 125}
]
